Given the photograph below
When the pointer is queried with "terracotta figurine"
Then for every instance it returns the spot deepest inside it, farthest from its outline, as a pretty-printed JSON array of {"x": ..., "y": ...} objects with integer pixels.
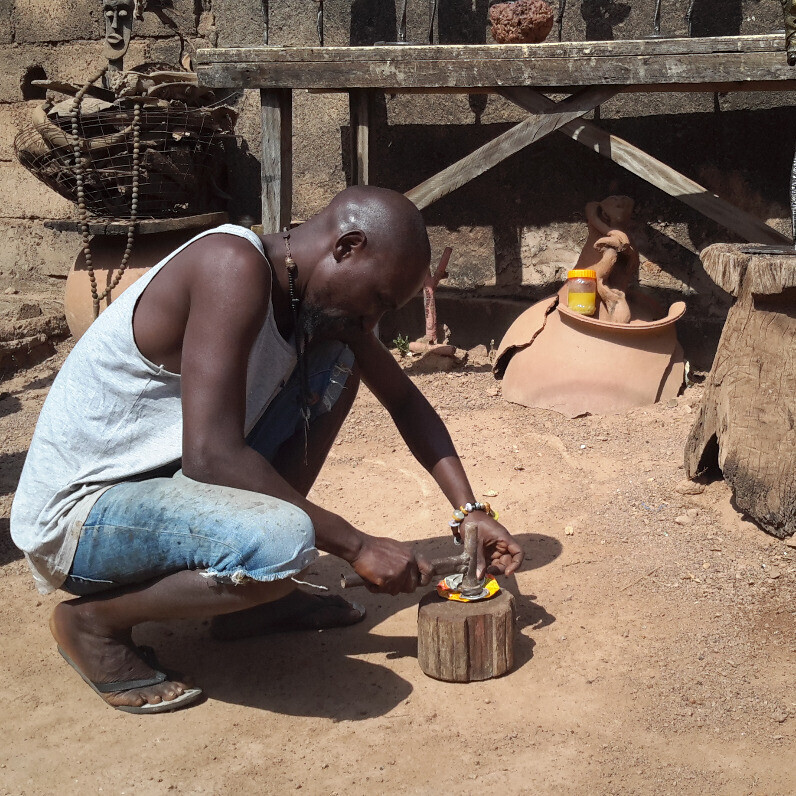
[{"x": 610, "y": 253}]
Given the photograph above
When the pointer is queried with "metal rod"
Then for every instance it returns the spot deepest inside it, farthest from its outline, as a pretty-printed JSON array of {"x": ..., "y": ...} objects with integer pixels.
[
  {"x": 562, "y": 6},
  {"x": 402, "y": 28},
  {"x": 431, "y": 21},
  {"x": 688, "y": 15},
  {"x": 656, "y": 22},
  {"x": 319, "y": 23},
  {"x": 471, "y": 585}
]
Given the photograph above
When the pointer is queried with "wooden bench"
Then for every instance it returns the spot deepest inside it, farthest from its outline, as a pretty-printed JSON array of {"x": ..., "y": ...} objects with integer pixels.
[{"x": 591, "y": 72}]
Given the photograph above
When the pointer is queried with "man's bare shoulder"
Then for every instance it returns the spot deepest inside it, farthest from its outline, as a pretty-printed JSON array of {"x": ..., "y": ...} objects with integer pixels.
[{"x": 227, "y": 265}]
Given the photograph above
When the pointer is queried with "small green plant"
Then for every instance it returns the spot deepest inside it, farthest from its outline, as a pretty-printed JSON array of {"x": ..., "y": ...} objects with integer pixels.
[{"x": 401, "y": 342}]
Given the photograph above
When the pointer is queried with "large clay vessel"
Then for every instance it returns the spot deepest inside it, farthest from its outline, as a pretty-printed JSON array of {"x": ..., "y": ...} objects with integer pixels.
[
  {"x": 553, "y": 358},
  {"x": 106, "y": 254}
]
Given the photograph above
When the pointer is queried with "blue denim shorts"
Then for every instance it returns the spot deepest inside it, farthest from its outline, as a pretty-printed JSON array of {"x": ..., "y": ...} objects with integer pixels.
[{"x": 145, "y": 529}]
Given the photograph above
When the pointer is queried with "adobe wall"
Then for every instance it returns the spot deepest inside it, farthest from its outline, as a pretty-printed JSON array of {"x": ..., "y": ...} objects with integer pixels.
[{"x": 515, "y": 229}]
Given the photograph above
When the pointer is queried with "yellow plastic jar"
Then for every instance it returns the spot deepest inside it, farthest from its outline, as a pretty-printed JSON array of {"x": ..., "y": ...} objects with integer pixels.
[{"x": 582, "y": 291}]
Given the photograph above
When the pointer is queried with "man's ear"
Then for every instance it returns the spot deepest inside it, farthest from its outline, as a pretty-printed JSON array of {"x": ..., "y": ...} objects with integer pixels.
[{"x": 348, "y": 243}]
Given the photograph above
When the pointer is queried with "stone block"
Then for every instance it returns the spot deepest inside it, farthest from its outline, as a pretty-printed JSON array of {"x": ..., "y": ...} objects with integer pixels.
[
  {"x": 25, "y": 197},
  {"x": 31, "y": 250},
  {"x": 72, "y": 62},
  {"x": 6, "y": 28},
  {"x": 167, "y": 51},
  {"x": 12, "y": 119},
  {"x": 67, "y": 20},
  {"x": 162, "y": 19},
  {"x": 240, "y": 23}
]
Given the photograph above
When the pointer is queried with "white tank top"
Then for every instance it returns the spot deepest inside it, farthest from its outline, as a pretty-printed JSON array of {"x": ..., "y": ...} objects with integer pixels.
[{"x": 110, "y": 415}]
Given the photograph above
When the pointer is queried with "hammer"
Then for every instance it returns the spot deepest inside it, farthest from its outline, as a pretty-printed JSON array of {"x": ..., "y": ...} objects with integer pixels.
[{"x": 465, "y": 564}]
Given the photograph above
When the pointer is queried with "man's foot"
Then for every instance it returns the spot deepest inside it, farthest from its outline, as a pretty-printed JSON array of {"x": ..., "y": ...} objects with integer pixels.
[
  {"x": 297, "y": 611},
  {"x": 101, "y": 656}
]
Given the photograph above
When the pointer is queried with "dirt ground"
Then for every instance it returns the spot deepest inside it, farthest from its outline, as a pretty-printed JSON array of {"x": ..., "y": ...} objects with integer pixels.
[{"x": 655, "y": 641}]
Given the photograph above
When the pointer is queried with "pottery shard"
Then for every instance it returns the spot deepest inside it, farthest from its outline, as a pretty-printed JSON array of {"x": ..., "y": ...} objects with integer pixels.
[{"x": 522, "y": 22}]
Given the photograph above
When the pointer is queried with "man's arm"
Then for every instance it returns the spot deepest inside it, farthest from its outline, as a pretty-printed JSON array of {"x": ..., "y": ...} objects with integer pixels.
[
  {"x": 228, "y": 302},
  {"x": 429, "y": 441}
]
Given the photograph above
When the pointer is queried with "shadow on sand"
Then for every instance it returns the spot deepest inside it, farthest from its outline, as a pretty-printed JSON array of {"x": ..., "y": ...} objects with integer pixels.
[{"x": 322, "y": 673}]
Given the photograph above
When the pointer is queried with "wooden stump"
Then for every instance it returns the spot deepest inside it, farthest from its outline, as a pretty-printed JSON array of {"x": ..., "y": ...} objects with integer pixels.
[
  {"x": 747, "y": 420},
  {"x": 460, "y": 642}
]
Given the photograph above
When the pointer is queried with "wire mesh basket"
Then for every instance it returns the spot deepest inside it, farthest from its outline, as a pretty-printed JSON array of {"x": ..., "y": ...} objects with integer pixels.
[{"x": 181, "y": 157}]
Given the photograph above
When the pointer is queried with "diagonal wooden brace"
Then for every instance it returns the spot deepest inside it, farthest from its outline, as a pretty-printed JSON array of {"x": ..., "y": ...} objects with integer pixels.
[
  {"x": 655, "y": 172},
  {"x": 541, "y": 123}
]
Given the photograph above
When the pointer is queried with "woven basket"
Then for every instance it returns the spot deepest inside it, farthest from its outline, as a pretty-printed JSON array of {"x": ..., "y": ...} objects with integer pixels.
[{"x": 181, "y": 157}]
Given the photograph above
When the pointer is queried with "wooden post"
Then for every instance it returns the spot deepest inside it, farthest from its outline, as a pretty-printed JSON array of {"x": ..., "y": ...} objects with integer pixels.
[
  {"x": 745, "y": 422},
  {"x": 276, "y": 171},
  {"x": 359, "y": 104},
  {"x": 462, "y": 642}
]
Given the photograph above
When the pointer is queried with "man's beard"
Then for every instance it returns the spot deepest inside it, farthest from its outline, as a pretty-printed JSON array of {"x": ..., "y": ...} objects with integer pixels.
[{"x": 317, "y": 323}]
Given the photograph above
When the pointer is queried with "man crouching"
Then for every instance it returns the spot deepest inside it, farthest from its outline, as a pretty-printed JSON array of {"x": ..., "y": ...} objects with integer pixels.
[{"x": 168, "y": 473}]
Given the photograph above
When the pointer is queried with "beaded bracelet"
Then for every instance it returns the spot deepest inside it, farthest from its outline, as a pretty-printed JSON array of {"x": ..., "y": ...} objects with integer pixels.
[{"x": 460, "y": 513}]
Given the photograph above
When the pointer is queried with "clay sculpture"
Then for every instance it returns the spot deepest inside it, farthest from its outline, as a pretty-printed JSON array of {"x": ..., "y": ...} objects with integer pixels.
[
  {"x": 521, "y": 22},
  {"x": 626, "y": 355}
]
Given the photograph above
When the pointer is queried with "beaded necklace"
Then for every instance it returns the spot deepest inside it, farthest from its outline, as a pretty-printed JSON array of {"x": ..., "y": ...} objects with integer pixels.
[{"x": 298, "y": 337}]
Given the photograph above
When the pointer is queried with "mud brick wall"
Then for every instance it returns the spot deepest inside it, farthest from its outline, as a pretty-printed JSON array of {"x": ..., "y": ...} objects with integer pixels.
[{"x": 515, "y": 229}]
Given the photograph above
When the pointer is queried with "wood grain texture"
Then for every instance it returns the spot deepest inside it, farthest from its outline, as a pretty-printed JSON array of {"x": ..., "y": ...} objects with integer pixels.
[
  {"x": 745, "y": 422},
  {"x": 359, "y": 105},
  {"x": 654, "y": 171},
  {"x": 532, "y": 129},
  {"x": 276, "y": 170},
  {"x": 726, "y": 60},
  {"x": 464, "y": 642},
  {"x": 146, "y": 226}
]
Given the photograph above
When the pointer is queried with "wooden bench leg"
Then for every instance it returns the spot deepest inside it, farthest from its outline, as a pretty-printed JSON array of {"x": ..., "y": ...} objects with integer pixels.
[
  {"x": 276, "y": 171},
  {"x": 359, "y": 105}
]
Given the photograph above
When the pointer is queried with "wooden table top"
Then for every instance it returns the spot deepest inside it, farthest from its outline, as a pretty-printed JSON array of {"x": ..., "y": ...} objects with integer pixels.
[{"x": 740, "y": 63}]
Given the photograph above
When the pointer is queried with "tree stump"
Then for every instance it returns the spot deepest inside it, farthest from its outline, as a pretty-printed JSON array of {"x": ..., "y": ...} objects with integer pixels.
[
  {"x": 461, "y": 642},
  {"x": 747, "y": 419}
]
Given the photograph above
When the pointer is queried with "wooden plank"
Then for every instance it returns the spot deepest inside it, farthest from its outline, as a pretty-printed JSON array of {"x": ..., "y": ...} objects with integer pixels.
[
  {"x": 728, "y": 59},
  {"x": 359, "y": 104},
  {"x": 528, "y": 131},
  {"x": 654, "y": 171},
  {"x": 669, "y": 88},
  {"x": 146, "y": 226},
  {"x": 774, "y": 42},
  {"x": 549, "y": 73},
  {"x": 276, "y": 170}
]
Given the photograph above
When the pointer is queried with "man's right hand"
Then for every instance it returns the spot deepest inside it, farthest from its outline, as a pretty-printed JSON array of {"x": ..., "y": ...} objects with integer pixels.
[{"x": 391, "y": 567}]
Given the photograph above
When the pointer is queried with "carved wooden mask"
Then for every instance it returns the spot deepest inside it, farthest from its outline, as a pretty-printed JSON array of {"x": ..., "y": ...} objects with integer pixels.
[{"x": 118, "y": 16}]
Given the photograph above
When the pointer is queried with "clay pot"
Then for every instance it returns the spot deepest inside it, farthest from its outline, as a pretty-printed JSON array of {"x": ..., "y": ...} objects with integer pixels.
[
  {"x": 553, "y": 358},
  {"x": 106, "y": 254}
]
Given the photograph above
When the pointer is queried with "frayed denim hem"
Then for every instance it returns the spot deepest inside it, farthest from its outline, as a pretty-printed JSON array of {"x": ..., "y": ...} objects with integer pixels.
[{"x": 240, "y": 575}]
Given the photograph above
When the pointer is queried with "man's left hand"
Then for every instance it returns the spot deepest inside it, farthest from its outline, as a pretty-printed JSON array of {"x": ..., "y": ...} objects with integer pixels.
[{"x": 499, "y": 553}]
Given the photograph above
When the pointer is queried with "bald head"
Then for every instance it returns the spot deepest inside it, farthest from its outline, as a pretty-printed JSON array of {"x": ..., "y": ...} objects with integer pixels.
[
  {"x": 367, "y": 252},
  {"x": 389, "y": 220}
]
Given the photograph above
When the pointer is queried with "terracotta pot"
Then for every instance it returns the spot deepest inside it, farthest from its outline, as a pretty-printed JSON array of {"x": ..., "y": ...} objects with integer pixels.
[
  {"x": 106, "y": 254},
  {"x": 553, "y": 358}
]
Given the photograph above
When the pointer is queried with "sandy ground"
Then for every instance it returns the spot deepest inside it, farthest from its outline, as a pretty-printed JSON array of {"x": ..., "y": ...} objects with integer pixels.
[{"x": 654, "y": 655}]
